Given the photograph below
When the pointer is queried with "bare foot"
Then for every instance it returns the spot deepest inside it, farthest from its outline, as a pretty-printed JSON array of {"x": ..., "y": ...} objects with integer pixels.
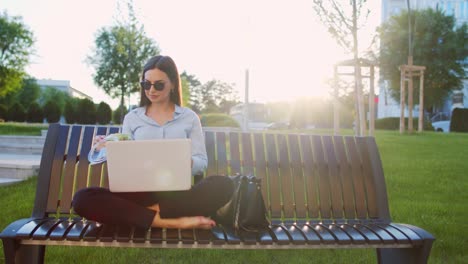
[{"x": 187, "y": 222}]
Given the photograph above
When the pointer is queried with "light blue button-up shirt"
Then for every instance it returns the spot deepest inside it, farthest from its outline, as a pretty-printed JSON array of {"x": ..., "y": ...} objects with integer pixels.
[{"x": 185, "y": 124}]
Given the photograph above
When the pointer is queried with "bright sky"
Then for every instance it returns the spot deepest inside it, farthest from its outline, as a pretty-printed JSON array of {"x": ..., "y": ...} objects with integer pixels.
[{"x": 284, "y": 46}]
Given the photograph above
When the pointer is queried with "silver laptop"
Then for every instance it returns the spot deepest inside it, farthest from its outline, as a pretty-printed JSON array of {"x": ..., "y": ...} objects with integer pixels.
[{"x": 149, "y": 165}]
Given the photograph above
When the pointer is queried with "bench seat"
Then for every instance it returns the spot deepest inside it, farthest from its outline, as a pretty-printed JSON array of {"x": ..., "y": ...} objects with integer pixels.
[{"x": 319, "y": 191}]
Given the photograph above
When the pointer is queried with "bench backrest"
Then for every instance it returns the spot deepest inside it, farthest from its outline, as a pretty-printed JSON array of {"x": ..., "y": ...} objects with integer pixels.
[{"x": 305, "y": 177}]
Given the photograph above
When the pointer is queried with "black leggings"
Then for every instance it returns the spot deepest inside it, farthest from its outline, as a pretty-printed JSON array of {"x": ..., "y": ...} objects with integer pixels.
[{"x": 130, "y": 208}]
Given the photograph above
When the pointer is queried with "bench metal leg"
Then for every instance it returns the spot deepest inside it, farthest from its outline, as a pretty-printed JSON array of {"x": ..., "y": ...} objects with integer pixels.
[
  {"x": 16, "y": 253},
  {"x": 405, "y": 255}
]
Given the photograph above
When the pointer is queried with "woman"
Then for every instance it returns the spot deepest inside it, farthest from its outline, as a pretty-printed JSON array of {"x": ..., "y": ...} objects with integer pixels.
[{"x": 160, "y": 115}]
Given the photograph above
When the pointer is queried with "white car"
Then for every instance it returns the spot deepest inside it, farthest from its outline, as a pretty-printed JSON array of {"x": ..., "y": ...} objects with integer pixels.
[{"x": 442, "y": 126}]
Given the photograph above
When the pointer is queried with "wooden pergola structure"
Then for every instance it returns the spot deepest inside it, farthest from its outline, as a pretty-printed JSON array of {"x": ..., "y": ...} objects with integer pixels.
[
  {"x": 362, "y": 63},
  {"x": 407, "y": 72}
]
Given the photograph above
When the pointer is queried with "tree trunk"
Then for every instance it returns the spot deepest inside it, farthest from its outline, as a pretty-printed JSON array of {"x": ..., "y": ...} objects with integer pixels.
[{"x": 357, "y": 77}]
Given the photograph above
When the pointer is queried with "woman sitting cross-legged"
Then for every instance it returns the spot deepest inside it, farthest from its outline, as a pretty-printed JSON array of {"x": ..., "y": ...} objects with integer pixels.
[{"x": 159, "y": 116}]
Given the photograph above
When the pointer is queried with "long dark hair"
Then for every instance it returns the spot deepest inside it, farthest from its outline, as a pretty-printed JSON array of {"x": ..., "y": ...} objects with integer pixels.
[{"x": 168, "y": 66}]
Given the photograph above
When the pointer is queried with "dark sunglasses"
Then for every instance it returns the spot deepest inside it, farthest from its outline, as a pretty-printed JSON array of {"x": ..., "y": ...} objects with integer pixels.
[{"x": 158, "y": 86}]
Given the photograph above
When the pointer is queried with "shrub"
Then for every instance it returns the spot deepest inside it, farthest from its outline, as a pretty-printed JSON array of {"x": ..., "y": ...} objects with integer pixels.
[
  {"x": 103, "y": 114},
  {"x": 3, "y": 111},
  {"x": 117, "y": 116},
  {"x": 52, "y": 112},
  {"x": 459, "y": 121},
  {"x": 218, "y": 120},
  {"x": 86, "y": 111},
  {"x": 70, "y": 112},
  {"x": 393, "y": 123},
  {"x": 16, "y": 112},
  {"x": 35, "y": 113}
]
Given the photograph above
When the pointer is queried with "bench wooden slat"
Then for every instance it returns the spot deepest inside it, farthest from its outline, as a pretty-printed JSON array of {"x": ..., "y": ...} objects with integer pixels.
[
  {"x": 358, "y": 181},
  {"x": 297, "y": 177},
  {"x": 309, "y": 233},
  {"x": 93, "y": 232},
  {"x": 265, "y": 237},
  {"x": 78, "y": 230},
  {"x": 123, "y": 233},
  {"x": 385, "y": 237},
  {"x": 371, "y": 196},
  {"x": 371, "y": 237},
  {"x": 156, "y": 235},
  {"x": 248, "y": 238},
  {"x": 325, "y": 235},
  {"x": 70, "y": 166},
  {"x": 211, "y": 153},
  {"x": 222, "y": 165},
  {"x": 203, "y": 236},
  {"x": 60, "y": 230},
  {"x": 234, "y": 149},
  {"x": 108, "y": 233},
  {"x": 413, "y": 237},
  {"x": 296, "y": 235},
  {"x": 187, "y": 236},
  {"x": 26, "y": 231},
  {"x": 139, "y": 235},
  {"x": 261, "y": 168},
  {"x": 82, "y": 171},
  {"x": 395, "y": 233},
  {"x": 172, "y": 236},
  {"x": 333, "y": 168},
  {"x": 341, "y": 237},
  {"x": 355, "y": 235},
  {"x": 325, "y": 206},
  {"x": 231, "y": 237},
  {"x": 281, "y": 236},
  {"x": 45, "y": 229},
  {"x": 56, "y": 173},
  {"x": 273, "y": 176},
  {"x": 310, "y": 176},
  {"x": 285, "y": 178},
  {"x": 247, "y": 155},
  {"x": 345, "y": 178}
]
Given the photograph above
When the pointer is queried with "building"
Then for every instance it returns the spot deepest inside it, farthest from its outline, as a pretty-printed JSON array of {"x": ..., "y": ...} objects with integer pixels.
[
  {"x": 64, "y": 86},
  {"x": 387, "y": 106}
]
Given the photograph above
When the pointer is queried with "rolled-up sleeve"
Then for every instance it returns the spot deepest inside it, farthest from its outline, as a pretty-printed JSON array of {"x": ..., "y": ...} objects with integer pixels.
[{"x": 199, "y": 157}]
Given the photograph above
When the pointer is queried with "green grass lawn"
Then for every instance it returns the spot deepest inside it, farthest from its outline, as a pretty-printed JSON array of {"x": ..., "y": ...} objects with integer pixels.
[
  {"x": 427, "y": 186},
  {"x": 23, "y": 129}
]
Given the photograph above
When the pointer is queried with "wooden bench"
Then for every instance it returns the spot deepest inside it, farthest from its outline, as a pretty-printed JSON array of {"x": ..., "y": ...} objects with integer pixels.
[{"x": 320, "y": 192}]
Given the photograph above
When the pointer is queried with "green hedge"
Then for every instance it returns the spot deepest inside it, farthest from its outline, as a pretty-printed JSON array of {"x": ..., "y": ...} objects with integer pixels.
[
  {"x": 393, "y": 123},
  {"x": 459, "y": 121},
  {"x": 218, "y": 120}
]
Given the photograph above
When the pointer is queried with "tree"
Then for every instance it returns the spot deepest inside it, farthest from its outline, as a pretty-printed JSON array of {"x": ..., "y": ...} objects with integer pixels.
[
  {"x": 52, "y": 112},
  {"x": 29, "y": 92},
  {"x": 52, "y": 94},
  {"x": 342, "y": 22},
  {"x": 103, "y": 113},
  {"x": 121, "y": 50},
  {"x": 438, "y": 45},
  {"x": 70, "y": 111},
  {"x": 189, "y": 81},
  {"x": 213, "y": 96},
  {"x": 118, "y": 114},
  {"x": 16, "y": 42},
  {"x": 35, "y": 113},
  {"x": 86, "y": 112},
  {"x": 16, "y": 112}
]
